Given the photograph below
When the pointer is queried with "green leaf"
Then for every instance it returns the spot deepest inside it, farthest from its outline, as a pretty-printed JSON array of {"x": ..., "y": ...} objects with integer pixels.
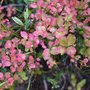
[
  {"x": 39, "y": 54},
  {"x": 18, "y": 21},
  {"x": 26, "y": 14},
  {"x": 53, "y": 82},
  {"x": 82, "y": 51},
  {"x": 68, "y": 17},
  {"x": 63, "y": 42},
  {"x": 71, "y": 39},
  {"x": 87, "y": 42},
  {"x": 23, "y": 75},
  {"x": 28, "y": 1},
  {"x": 68, "y": 41},
  {"x": 27, "y": 24},
  {"x": 73, "y": 80},
  {"x": 88, "y": 53},
  {"x": 3, "y": 70},
  {"x": 81, "y": 84},
  {"x": 1, "y": 84},
  {"x": 11, "y": 87},
  {"x": 59, "y": 21},
  {"x": 20, "y": 46},
  {"x": 38, "y": 72}
]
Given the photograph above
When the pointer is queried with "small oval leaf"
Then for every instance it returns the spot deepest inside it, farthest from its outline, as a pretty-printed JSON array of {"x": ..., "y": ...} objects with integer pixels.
[
  {"x": 71, "y": 39},
  {"x": 18, "y": 21},
  {"x": 63, "y": 42}
]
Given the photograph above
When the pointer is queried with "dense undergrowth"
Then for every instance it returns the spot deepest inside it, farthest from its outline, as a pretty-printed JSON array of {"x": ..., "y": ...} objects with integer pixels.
[{"x": 45, "y": 44}]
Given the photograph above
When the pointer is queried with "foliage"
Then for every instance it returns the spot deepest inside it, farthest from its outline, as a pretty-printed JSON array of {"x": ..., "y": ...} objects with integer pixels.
[{"x": 38, "y": 36}]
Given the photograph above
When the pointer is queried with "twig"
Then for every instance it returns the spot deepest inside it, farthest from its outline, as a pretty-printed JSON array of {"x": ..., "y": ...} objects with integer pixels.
[
  {"x": 64, "y": 82},
  {"x": 1, "y": 1},
  {"x": 14, "y": 5},
  {"x": 45, "y": 83},
  {"x": 29, "y": 82}
]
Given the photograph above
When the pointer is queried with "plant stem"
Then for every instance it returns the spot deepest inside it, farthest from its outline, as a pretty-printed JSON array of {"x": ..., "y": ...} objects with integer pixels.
[
  {"x": 45, "y": 83},
  {"x": 64, "y": 82},
  {"x": 14, "y": 5},
  {"x": 29, "y": 82},
  {"x": 1, "y": 1}
]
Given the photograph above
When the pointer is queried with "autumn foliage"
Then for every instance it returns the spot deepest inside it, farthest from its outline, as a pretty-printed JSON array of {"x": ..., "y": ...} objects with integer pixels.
[{"x": 48, "y": 31}]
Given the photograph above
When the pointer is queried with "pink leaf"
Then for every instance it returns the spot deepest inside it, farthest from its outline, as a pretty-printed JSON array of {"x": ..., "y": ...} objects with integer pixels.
[{"x": 24, "y": 34}]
